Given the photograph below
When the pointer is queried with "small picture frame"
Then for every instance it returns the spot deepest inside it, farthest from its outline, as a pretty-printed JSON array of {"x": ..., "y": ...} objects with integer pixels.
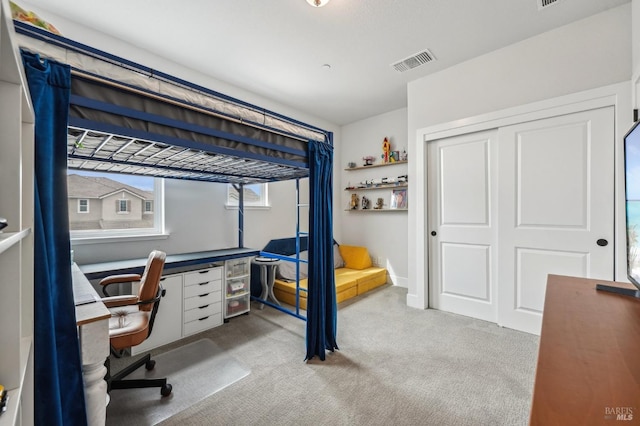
[{"x": 399, "y": 199}]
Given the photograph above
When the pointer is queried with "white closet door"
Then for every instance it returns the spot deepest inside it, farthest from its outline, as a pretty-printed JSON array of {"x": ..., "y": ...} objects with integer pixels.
[
  {"x": 556, "y": 202},
  {"x": 462, "y": 201}
]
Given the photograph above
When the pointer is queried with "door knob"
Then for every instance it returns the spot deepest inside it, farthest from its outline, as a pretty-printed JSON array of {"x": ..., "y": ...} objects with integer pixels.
[
  {"x": 602, "y": 242},
  {"x": 433, "y": 233}
]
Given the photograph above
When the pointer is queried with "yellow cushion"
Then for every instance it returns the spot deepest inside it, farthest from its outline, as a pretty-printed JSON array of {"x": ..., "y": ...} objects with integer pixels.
[{"x": 355, "y": 257}]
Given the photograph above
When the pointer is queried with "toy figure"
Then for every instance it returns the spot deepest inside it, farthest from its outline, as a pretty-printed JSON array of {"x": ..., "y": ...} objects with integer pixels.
[
  {"x": 368, "y": 160},
  {"x": 379, "y": 204},
  {"x": 403, "y": 156},
  {"x": 365, "y": 203},
  {"x": 386, "y": 149},
  {"x": 354, "y": 201}
]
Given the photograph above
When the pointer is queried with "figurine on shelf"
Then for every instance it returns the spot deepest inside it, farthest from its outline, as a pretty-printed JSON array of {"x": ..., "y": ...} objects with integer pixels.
[
  {"x": 379, "y": 204},
  {"x": 354, "y": 201},
  {"x": 386, "y": 150},
  {"x": 365, "y": 203},
  {"x": 368, "y": 160},
  {"x": 403, "y": 156}
]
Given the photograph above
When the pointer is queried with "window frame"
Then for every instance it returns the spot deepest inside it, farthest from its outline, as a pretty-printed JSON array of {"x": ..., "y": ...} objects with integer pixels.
[
  {"x": 263, "y": 203},
  {"x": 97, "y": 236},
  {"x": 127, "y": 206},
  {"x": 80, "y": 211}
]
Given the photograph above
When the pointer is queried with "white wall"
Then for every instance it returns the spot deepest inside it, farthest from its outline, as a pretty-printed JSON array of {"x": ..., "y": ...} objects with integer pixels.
[
  {"x": 195, "y": 215},
  {"x": 586, "y": 54},
  {"x": 384, "y": 234}
]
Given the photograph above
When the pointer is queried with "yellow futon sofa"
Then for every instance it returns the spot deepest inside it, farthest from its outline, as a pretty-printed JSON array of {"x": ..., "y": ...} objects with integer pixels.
[{"x": 354, "y": 275}]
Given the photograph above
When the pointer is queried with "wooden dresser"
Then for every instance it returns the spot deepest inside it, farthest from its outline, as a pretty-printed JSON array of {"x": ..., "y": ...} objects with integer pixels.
[{"x": 588, "y": 369}]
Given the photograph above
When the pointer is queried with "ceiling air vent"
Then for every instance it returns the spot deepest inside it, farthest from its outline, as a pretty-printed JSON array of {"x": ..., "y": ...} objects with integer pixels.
[
  {"x": 414, "y": 61},
  {"x": 546, "y": 3}
]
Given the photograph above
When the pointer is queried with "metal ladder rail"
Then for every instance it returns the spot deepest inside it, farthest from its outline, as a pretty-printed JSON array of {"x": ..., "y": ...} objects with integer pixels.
[{"x": 296, "y": 259}]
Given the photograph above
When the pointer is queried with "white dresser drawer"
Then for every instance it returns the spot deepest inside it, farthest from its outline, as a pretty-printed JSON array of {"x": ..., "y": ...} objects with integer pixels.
[
  {"x": 197, "y": 301},
  {"x": 202, "y": 311},
  {"x": 203, "y": 288},
  {"x": 202, "y": 276},
  {"x": 202, "y": 324}
]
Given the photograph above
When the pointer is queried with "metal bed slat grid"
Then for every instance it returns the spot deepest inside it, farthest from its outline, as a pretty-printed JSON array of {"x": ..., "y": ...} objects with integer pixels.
[{"x": 99, "y": 151}]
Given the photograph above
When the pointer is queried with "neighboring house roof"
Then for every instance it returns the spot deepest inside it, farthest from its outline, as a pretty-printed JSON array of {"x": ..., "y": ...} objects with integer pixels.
[
  {"x": 98, "y": 187},
  {"x": 249, "y": 195}
]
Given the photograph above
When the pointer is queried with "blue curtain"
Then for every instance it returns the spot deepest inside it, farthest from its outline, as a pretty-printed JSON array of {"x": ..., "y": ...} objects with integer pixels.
[
  {"x": 59, "y": 391},
  {"x": 321, "y": 296}
]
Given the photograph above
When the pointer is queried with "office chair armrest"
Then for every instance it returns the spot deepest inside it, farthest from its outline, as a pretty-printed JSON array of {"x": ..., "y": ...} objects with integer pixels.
[
  {"x": 124, "y": 300},
  {"x": 117, "y": 279}
]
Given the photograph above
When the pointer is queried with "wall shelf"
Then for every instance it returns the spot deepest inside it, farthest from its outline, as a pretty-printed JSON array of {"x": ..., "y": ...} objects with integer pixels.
[
  {"x": 376, "y": 165},
  {"x": 375, "y": 210},
  {"x": 380, "y": 186}
]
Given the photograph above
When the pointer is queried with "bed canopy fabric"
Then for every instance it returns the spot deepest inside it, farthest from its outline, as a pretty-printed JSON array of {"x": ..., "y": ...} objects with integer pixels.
[
  {"x": 142, "y": 121},
  {"x": 126, "y": 118}
]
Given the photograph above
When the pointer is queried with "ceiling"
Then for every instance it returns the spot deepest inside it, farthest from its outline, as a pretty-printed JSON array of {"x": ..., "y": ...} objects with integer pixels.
[{"x": 278, "y": 49}]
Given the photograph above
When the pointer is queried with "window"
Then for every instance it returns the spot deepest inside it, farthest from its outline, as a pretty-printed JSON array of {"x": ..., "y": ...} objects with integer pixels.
[
  {"x": 121, "y": 206},
  {"x": 83, "y": 205},
  {"x": 255, "y": 196}
]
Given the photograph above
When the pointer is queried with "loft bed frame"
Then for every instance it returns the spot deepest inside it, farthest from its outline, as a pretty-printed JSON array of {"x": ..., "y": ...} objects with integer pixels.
[{"x": 130, "y": 119}]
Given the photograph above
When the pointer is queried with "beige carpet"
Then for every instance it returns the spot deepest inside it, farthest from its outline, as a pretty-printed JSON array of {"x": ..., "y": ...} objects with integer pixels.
[
  {"x": 196, "y": 371},
  {"x": 396, "y": 365}
]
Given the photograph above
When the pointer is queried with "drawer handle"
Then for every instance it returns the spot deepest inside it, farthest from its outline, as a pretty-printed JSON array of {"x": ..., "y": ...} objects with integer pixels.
[
  {"x": 202, "y": 319},
  {"x": 203, "y": 295},
  {"x": 202, "y": 307},
  {"x": 204, "y": 283},
  {"x": 204, "y": 272}
]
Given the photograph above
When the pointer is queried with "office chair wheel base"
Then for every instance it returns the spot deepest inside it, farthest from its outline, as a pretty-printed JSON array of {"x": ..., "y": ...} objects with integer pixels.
[
  {"x": 149, "y": 365},
  {"x": 166, "y": 390}
]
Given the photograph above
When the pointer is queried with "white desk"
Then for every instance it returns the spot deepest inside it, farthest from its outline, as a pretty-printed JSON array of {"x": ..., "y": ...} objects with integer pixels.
[{"x": 93, "y": 332}]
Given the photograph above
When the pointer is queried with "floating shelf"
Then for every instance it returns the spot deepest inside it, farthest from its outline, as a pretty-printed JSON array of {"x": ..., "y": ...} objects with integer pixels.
[
  {"x": 375, "y": 210},
  {"x": 380, "y": 186},
  {"x": 376, "y": 165}
]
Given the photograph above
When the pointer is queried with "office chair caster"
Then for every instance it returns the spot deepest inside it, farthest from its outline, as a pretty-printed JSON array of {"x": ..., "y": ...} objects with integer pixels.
[
  {"x": 166, "y": 390},
  {"x": 149, "y": 365}
]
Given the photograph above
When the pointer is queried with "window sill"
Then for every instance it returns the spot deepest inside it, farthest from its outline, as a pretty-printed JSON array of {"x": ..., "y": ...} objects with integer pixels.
[
  {"x": 94, "y": 239},
  {"x": 233, "y": 207}
]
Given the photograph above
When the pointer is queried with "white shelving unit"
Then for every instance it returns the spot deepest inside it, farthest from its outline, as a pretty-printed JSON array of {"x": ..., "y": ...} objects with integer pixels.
[
  {"x": 16, "y": 242},
  {"x": 237, "y": 286}
]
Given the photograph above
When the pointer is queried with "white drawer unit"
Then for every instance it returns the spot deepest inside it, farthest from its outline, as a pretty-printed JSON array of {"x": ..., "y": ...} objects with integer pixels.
[
  {"x": 202, "y": 311},
  {"x": 202, "y": 276},
  {"x": 202, "y": 306},
  {"x": 202, "y": 324},
  {"x": 167, "y": 324},
  {"x": 200, "y": 300},
  {"x": 202, "y": 289},
  {"x": 237, "y": 287}
]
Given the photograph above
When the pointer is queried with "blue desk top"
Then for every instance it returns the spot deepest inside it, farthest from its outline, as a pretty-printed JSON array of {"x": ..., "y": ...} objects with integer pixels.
[{"x": 175, "y": 263}]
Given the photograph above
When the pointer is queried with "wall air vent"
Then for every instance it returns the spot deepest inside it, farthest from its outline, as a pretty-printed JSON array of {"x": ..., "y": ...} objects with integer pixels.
[
  {"x": 546, "y": 3},
  {"x": 414, "y": 61}
]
